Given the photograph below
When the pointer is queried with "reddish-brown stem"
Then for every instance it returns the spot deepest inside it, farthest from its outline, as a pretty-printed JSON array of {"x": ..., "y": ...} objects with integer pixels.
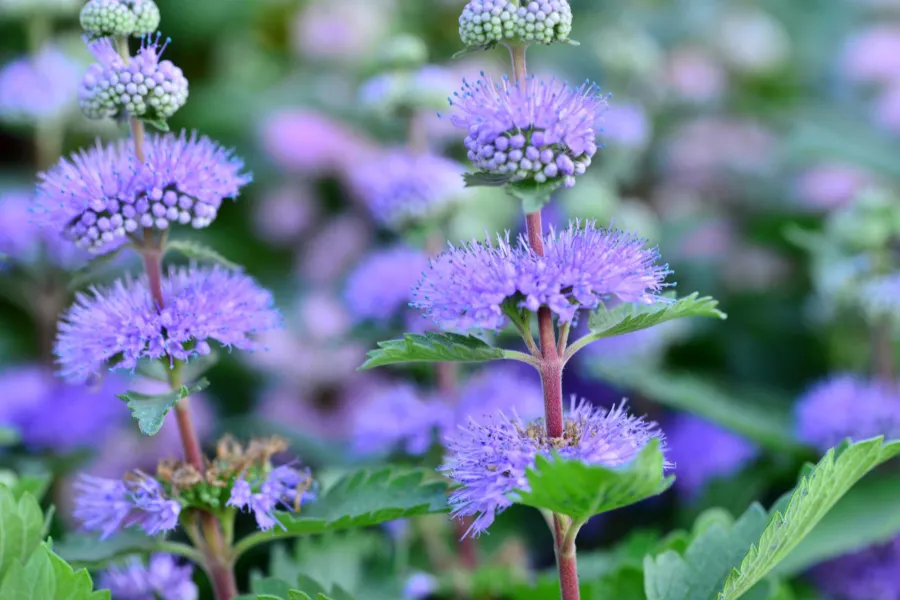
[
  {"x": 153, "y": 266},
  {"x": 517, "y": 52},
  {"x": 137, "y": 132},
  {"x": 566, "y": 562},
  {"x": 192, "y": 452}
]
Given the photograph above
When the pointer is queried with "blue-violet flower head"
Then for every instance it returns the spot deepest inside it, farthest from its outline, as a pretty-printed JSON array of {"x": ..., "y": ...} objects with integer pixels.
[
  {"x": 285, "y": 487},
  {"x": 397, "y": 417},
  {"x": 163, "y": 578},
  {"x": 380, "y": 286},
  {"x": 111, "y": 505}
]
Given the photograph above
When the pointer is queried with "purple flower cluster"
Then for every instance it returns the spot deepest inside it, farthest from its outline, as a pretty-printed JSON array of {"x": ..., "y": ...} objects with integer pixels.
[
  {"x": 534, "y": 131},
  {"x": 102, "y": 195},
  {"x": 845, "y": 405},
  {"x": 380, "y": 286},
  {"x": 401, "y": 186},
  {"x": 868, "y": 574},
  {"x": 111, "y": 505},
  {"x": 143, "y": 87},
  {"x": 163, "y": 578},
  {"x": 25, "y": 242},
  {"x": 489, "y": 461},
  {"x": 37, "y": 88},
  {"x": 397, "y": 417},
  {"x": 583, "y": 267},
  {"x": 284, "y": 487},
  {"x": 123, "y": 321},
  {"x": 704, "y": 451},
  {"x": 304, "y": 141}
]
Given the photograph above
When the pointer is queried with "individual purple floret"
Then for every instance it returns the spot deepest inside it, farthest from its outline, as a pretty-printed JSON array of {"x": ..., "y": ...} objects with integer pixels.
[
  {"x": 102, "y": 195},
  {"x": 381, "y": 284},
  {"x": 398, "y": 418},
  {"x": 583, "y": 267},
  {"x": 285, "y": 487},
  {"x": 122, "y": 321},
  {"x": 419, "y": 586},
  {"x": 489, "y": 461},
  {"x": 111, "y": 505},
  {"x": 704, "y": 451},
  {"x": 144, "y": 87},
  {"x": 845, "y": 406},
  {"x": 533, "y": 132},
  {"x": 164, "y": 578},
  {"x": 868, "y": 574},
  {"x": 38, "y": 88},
  {"x": 26, "y": 243},
  {"x": 402, "y": 186}
]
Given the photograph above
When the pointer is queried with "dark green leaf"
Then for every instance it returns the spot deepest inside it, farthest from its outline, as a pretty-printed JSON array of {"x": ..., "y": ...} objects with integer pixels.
[
  {"x": 21, "y": 525},
  {"x": 580, "y": 490},
  {"x": 150, "y": 410},
  {"x": 431, "y": 347},
  {"x": 361, "y": 499},
  {"x": 532, "y": 194},
  {"x": 482, "y": 179},
  {"x": 201, "y": 253}
]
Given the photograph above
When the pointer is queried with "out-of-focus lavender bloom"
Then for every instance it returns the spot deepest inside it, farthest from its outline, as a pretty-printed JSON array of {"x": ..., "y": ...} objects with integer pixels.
[
  {"x": 281, "y": 216},
  {"x": 831, "y": 185},
  {"x": 289, "y": 409},
  {"x": 644, "y": 345},
  {"x": 402, "y": 186},
  {"x": 880, "y": 298},
  {"x": 709, "y": 239},
  {"x": 537, "y": 131},
  {"x": 27, "y": 243},
  {"x": 123, "y": 321},
  {"x": 50, "y": 414},
  {"x": 703, "y": 451},
  {"x": 627, "y": 126},
  {"x": 303, "y": 141},
  {"x": 337, "y": 245},
  {"x": 845, "y": 406},
  {"x": 110, "y": 505},
  {"x": 419, "y": 586},
  {"x": 344, "y": 30},
  {"x": 497, "y": 389},
  {"x": 873, "y": 55},
  {"x": 398, "y": 417},
  {"x": 381, "y": 285},
  {"x": 425, "y": 88},
  {"x": 163, "y": 578},
  {"x": 756, "y": 268},
  {"x": 489, "y": 461},
  {"x": 38, "y": 88},
  {"x": 867, "y": 574},
  {"x": 887, "y": 108},
  {"x": 284, "y": 487},
  {"x": 693, "y": 74},
  {"x": 583, "y": 267}
]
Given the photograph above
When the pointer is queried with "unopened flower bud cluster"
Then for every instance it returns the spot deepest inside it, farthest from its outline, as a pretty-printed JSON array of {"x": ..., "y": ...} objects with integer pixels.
[
  {"x": 121, "y": 18},
  {"x": 487, "y": 22}
]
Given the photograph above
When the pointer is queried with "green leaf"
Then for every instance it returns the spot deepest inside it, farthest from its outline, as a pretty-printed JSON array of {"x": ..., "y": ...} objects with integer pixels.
[
  {"x": 72, "y": 584},
  {"x": 160, "y": 124},
  {"x": 532, "y": 194},
  {"x": 150, "y": 410},
  {"x": 482, "y": 179},
  {"x": 811, "y": 500},
  {"x": 472, "y": 50},
  {"x": 361, "y": 499},
  {"x": 199, "y": 252},
  {"x": 330, "y": 559},
  {"x": 628, "y": 317},
  {"x": 21, "y": 526},
  {"x": 306, "y": 589},
  {"x": 431, "y": 347},
  {"x": 580, "y": 490},
  {"x": 865, "y": 516},
  {"x": 88, "y": 551},
  {"x": 8, "y": 436},
  {"x": 94, "y": 269},
  {"x": 46, "y": 576}
]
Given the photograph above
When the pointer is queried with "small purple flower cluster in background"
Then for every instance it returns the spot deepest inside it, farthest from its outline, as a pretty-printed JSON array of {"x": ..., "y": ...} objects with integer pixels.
[
  {"x": 38, "y": 88},
  {"x": 283, "y": 487},
  {"x": 868, "y": 574},
  {"x": 584, "y": 266},
  {"x": 379, "y": 287},
  {"x": 301, "y": 141},
  {"x": 26, "y": 243},
  {"x": 490, "y": 460},
  {"x": 163, "y": 578},
  {"x": 111, "y": 505}
]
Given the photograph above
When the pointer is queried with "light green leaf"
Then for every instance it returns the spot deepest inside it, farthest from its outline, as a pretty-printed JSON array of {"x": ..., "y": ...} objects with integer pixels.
[
  {"x": 72, "y": 584},
  {"x": 431, "y": 347},
  {"x": 361, "y": 499},
  {"x": 46, "y": 576},
  {"x": 482, "y": 179},
  {"x": 8, "y": 436},
  {"x": 628, "y": 317},
  {"x": 21, "y": 525},
  {"x": 333, "y": 558},
  {"x": 580, "y": 490},
  {"x": 88, "y": 551},
  {"x": 150, "y": 410},
  {"x": 532, "y": 194},
  {"x": 160, "y": 124},
  {"x": 201, "y": 253},
  {"x": 811, "y": 500}
]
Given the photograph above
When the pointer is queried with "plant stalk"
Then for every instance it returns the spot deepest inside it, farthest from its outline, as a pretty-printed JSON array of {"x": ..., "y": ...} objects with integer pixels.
[{"x": 566, "y": 562}]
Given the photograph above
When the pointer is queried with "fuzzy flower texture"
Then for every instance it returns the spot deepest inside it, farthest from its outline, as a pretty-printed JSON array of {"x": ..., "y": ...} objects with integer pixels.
[
  {"x": 583, "y": 267},
  {"x": 489, "y": 461},
  {"x": 284, "y": 487},
  {"x": 143, "y": 87},
  {"x": 201, "y": 305},
  {"x": 111, "y": 505},
  {"x": 487, "y": 22},
  {"x": 119, "y": 18},
  {"x": 100, "y": 196},
  {"x": 531, "y": 131},
  {"x": 162, "y": 578}
]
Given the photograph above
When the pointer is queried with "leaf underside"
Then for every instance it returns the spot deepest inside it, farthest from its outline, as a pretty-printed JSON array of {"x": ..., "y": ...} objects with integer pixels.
[{"x": 431, "y": 347}]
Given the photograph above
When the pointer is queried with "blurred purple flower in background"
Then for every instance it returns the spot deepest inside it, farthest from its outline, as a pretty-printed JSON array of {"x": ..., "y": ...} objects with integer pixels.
[
  {"x": 491, "y": 390},
  {"x": 380, "y": 287},
  {"x": 703, "y": 451},
  {"x": 873, "y": 55},
  {"x": 887, "y": 108},
  {"x": 693, "y": 74},
  {"x": 419, "y": 586},
  {"x": 626, "y": 126},
  {"x": 163, "y": 578},
  {"x": 42, "y": 87},
  {"x": 304, "y": 141},
  {"x": 282, "y": 215},
  {"x": 868, "y": 574},
  {"x": 845, "y": 405},
  {"x": 343, "y": 30},
  {"x": 27, "y": 243},
  {"x": 397, "y": 417},
  {"x": 335, "y": 247},
  {"x": 828, "y": 186}
]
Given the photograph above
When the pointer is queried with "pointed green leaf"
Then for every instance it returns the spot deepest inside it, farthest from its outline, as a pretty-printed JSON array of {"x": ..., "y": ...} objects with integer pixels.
[
  {"x": 811, "y": 500},
  {"x": 46, "y": 576},
  {"x": 483, "y": 179},
  {"x": 94, "y": 269},
  {"x": 88, "y": 551},
  {"x": 361, "y": 499},
  {"x": 532, "y": 194},
  {"x": 72, "y": 584},
  {"x": 472, "y": 50},
  {"x": 431, "y": 347},
  {"x": 580, "y": 490},
  {"x": 150, "y": 410},
  {"x": 201, "y": 253},
  {"x": 160, "y": 124},
  {"x": 21, "y": 524}
]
